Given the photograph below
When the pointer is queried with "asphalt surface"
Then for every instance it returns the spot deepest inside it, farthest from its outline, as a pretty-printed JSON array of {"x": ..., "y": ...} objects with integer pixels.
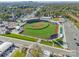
[{"x": 71, "y": 32}]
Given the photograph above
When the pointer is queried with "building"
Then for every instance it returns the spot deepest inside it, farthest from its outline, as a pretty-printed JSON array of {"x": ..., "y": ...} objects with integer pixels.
[
  {"x": 11, "y": 25},
  {"x": 17, "y": 30},
  {"x": 5, "y": 48},
  {"x": 46, "y": 18}
]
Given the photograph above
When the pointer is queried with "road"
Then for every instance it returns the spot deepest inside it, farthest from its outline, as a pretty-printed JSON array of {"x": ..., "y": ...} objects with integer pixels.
[{"x": 71, "y": 32}]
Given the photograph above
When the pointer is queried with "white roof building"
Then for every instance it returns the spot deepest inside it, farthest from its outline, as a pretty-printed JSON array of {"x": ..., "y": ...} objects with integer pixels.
[{"x": 5, "y": 46}]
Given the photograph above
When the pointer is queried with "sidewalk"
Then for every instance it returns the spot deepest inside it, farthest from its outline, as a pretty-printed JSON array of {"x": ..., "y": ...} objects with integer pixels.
[{"x": 64, "y": 39}]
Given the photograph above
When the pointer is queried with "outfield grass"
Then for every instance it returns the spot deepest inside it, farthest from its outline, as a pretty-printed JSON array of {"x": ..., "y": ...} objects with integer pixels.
[
  {"x": 18, "y": 53},
  {"x": 42, "y": 33},
  {"x": 20, "y": 37},
  {"x": 56, "y": 19}
]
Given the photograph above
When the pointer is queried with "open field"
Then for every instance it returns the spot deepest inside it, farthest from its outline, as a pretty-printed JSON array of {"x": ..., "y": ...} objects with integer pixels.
[
  {"x": 45, "y": 32},
  {"x": 74, "y": 19}
]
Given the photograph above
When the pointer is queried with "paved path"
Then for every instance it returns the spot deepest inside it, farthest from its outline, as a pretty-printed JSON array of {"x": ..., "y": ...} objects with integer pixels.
[{"x": 64, "y": 38}]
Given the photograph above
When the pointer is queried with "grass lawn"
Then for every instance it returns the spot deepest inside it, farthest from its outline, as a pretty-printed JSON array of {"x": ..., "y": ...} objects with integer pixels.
[
  {"x": 46, "y": 43},
  {"x": 50, "y": 43},
  {"x": 18, "y": 53},
  {"x": 56, "y": 19},
  {"x": 77, "y": 24},
  {"x": 60, "y": 40},
  {"x": 42, "y": 33},
  {"x": 20, "y": 37},
  {"x": 58, "y": 46}
]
